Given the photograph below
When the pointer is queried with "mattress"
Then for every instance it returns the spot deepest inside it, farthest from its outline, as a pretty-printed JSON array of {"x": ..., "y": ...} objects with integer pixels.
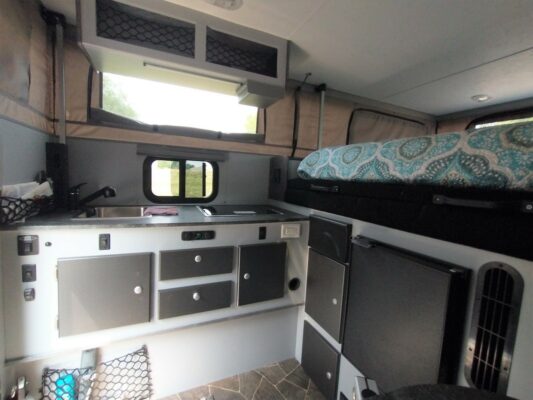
[{"x": 495, "y": 158}]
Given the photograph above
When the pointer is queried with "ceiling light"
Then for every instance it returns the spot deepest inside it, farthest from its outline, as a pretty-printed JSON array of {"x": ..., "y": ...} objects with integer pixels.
[
  {"x": 226, "y": 4},
  {"x": 481, "y": 98}
]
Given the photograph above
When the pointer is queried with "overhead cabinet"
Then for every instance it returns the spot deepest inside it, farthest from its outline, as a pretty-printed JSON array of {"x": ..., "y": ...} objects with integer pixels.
[
  {"x": 103, "y": 292},
  {"x": 163, "y": 41}
]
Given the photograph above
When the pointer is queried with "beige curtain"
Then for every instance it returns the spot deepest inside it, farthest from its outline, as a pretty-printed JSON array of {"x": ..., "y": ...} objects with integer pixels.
[
  {"x": 373, "y": 126},
  {"x": 15, "y": 39}
]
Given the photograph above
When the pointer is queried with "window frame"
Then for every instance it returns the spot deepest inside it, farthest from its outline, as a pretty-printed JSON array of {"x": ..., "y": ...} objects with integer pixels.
[{"x": 181, "y": 199}]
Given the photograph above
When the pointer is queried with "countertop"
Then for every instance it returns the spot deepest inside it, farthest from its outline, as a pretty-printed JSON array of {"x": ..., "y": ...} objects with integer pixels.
[{"x": 187, "y": 215}]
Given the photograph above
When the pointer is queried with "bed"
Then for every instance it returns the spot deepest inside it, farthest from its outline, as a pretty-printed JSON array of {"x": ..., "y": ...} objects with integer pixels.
[{"x": 473, "y": 188}]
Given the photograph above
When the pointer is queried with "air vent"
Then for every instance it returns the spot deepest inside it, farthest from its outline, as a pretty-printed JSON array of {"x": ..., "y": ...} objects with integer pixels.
[
  {"x": 142, "y": 28},
  {"x": 494, "y": 324}
]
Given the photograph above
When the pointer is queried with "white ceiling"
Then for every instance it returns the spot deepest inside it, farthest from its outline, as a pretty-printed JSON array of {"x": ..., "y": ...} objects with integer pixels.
[{"x": 427, "y": 55}]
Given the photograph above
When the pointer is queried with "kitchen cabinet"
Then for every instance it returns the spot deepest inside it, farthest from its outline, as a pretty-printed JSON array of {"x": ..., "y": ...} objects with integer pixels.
[
  {"x": 330, "y": 238},
  {"x": 320, "y": 361},
  {"x": 103, "y": 292},
  {"x": 177, "y": 264},
  {"x": 325, "y": 293},
  {"x": 194, "y": 299},
  {"x": 261, "y": 272}
]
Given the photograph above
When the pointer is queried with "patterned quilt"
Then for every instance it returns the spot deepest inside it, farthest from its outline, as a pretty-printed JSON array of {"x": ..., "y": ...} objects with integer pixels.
[{"x": 496, "y": 157}]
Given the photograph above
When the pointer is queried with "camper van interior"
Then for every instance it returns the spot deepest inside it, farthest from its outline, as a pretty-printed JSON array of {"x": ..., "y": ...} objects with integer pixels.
[{"x": 266, "y": 200}]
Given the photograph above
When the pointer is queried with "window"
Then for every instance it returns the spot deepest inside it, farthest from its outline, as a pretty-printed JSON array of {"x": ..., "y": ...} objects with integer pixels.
[
  {"x": 167, "y": 180},
  {"x": 158, "y": 103},
  {"x": 503, "y": 118}
]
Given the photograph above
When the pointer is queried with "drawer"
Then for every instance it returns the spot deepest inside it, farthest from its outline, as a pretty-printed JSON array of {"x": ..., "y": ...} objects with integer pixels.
[
  {"x": 179, "y": 264},
  {"x": 194, "y": 299},
  {"x": 320, "y": 361},
  {"x": 325, "y": 293},
  {"x": 330, "y": 238}
]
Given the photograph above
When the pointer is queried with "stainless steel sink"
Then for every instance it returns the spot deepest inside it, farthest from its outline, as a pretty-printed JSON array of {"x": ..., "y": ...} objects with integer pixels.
[
  {"x": 113, "y": 212},
  {"x": 237, "y": 211}
]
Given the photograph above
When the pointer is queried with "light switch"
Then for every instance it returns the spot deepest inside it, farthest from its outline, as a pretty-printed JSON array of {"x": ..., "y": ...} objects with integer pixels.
[
  {"x": 29, "y": 273},
  {"x": 290, "y": 231}
]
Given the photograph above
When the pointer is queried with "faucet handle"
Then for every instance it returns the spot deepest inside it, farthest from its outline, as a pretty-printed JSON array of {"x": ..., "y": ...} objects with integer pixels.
[{"x": 76, "y": 189}]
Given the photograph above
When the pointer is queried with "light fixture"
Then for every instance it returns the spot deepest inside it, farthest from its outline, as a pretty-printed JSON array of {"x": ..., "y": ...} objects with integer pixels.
[
  {"x": 481, "y": 98},
  {"x": 230, "y": 5}
]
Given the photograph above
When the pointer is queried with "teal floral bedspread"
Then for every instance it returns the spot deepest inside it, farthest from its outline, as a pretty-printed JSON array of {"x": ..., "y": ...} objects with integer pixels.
[{"x": 496, "y": 157}]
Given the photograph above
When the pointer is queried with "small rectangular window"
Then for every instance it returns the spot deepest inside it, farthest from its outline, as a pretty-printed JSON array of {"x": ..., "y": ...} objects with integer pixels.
[{"x": 168, "y": 180}]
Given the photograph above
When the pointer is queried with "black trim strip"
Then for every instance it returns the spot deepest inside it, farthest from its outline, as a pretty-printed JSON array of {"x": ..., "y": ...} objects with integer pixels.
[{"x": 296, "y": 123}]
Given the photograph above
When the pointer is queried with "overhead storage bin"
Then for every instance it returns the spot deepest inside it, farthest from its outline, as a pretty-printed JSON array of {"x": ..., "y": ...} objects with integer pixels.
[{"x": 163, "y": 41}]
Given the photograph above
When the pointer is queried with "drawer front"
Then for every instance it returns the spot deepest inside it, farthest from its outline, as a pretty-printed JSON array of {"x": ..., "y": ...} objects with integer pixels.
[
  {"x": 196, "y": 262},
  {"x": 330, "y": 238},
  {"x": 103, "y": 292},
  {"x": 325, "y": 293},
  {"x": 194, "y": 299},
  {"x": 320, "y": 361},
  {"x": 261, "y": 272}
]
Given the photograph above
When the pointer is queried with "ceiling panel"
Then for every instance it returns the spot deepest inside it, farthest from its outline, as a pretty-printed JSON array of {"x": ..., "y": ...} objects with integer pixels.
[
  {"x": 277, "y": 17},
  {"x": 394, "y": 50},
  {"x": 505, "y": 80}
]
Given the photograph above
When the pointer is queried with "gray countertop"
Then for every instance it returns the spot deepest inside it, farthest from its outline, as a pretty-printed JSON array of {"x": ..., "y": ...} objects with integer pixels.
[{"x": 187, "y": 215}]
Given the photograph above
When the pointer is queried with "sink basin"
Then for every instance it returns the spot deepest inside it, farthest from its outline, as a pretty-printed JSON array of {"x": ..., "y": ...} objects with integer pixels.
[
  {"x": 237, "y": 211},
  {"x": 113, "y": 212}
]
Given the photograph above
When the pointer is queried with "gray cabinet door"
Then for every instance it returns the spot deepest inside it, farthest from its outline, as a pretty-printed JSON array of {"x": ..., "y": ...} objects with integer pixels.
[
  {"x": 325, "y": 293},
  {"x": 194, "y": 299},
  {"x": 320, "y": 361},
  {"x": 103, "y": 292},
  {"x": 331, "y": 238},
  {"x": 179, "y": 264},
  {"x": 261, "y": 272}
]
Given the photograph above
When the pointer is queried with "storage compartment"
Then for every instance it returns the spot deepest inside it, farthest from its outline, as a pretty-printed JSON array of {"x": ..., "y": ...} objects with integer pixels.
[
  {"x": 325, "y": 293},
  {"x": 404, "y": 316},
  {"x": 330, "y": 238},
  {"x": 196, "y": 262},
  {"x": 139, "y": 27},
  {"x": 235, "y": 52},
  {"x": 320, "y": 361},
  {"x": 194, "y": 299},
  {"x": 261, "y": 272},
  {"x": 104, "y": 292}
]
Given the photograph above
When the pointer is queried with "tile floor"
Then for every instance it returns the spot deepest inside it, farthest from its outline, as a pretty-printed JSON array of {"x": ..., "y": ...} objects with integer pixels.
[{"x": 281, "y": 381}]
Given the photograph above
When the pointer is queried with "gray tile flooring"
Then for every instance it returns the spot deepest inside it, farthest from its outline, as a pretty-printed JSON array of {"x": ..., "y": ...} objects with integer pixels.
[{"x": 281, "y": 381}]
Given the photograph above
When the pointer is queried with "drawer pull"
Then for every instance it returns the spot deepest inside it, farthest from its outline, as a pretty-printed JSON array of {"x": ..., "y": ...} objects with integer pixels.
[
  {"x": 138, "y": 290},
  {"x": 198, "y": 258},
  {"x": 246, "y": 276},
  {"x": 196, "y": 296},
  {"x": 334, "y": 301},
  {"x": 328, "y": 375}
]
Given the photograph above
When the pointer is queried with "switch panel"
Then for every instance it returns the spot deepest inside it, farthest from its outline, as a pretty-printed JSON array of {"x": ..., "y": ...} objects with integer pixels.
[
  {"x": 290, "y": 231},
  {"x": 197, "y": 235},
  {"x": 29, "y": 273},
  {"x": 28, "y": 245},
  {"x": 104, "y": 241},
  {"x": 29, "y": 294}
]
